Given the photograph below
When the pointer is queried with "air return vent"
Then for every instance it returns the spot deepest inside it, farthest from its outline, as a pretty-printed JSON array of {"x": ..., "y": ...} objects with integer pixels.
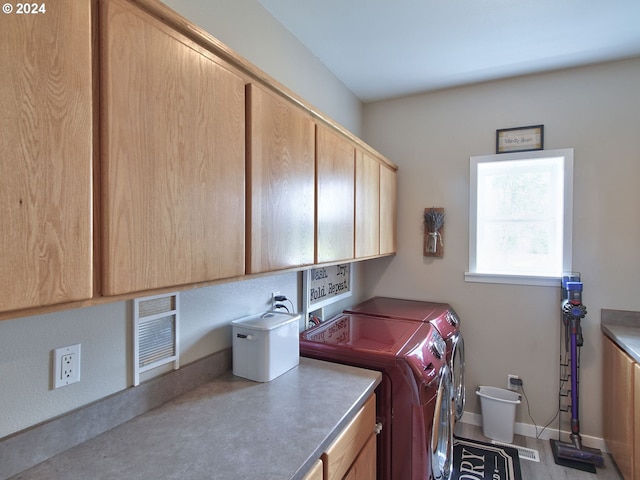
[
  {"x": 155, "y": 333},
  {"x": 523, "y": 452}
]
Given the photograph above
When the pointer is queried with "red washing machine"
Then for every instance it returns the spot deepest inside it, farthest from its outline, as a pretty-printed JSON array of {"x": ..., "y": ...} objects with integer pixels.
[
  {"x": 414, "y": 402},
  {"x": 441, "y": 316}
]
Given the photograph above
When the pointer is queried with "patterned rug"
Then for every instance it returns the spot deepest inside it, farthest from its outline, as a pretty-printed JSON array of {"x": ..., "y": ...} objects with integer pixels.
[{"x": 473, "y": 460}]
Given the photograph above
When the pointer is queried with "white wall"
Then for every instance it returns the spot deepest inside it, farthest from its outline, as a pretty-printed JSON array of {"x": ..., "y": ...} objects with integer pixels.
[
  {"x": 516, "y": 329},
  {"x": 105, "y": 331}
]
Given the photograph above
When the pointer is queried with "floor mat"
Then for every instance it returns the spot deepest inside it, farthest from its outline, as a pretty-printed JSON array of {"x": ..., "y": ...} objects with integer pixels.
[{"x": 473, "y": 460}]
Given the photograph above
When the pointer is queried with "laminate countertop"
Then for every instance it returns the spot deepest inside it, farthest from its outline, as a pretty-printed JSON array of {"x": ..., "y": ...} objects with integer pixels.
[
  {"x": 230, "y": 428},
  {"x": 623, "y": 327}
]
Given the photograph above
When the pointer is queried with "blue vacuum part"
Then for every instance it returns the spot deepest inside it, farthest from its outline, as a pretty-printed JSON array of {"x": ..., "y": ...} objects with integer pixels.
[{"x": 566, "y": 278}]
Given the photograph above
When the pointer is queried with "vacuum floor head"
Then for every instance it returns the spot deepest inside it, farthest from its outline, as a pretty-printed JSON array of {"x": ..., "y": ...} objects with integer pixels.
[{"x": 583, "y": 458}]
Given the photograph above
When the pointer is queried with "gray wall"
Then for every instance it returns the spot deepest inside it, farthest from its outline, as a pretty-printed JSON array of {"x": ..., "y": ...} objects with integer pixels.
[{"x": 516, "y": 329}]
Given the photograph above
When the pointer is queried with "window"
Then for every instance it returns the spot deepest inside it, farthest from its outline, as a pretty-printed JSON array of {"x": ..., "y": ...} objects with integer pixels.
[{"x": 520, "y": 217}]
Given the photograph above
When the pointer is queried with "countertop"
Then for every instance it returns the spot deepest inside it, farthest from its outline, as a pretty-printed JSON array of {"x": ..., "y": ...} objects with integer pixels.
[
  {"x": 230, "y": 428},
  {"x": 623, "y": 327}
]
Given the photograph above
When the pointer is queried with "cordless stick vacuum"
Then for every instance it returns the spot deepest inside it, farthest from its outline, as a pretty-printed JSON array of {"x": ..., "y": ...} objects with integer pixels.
[{"x": 573, "y": 454}]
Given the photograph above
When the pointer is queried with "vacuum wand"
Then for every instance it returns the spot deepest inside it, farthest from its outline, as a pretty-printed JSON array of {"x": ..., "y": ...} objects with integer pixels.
[
  {"x": 574, "y": 454},
  {"x": 574, "y": 313}
]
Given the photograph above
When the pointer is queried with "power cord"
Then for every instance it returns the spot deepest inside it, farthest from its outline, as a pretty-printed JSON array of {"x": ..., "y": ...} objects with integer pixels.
[
  {"x": 278, "y": 306},
  {"x": 538, "y": 434},
  {"x": 283, "y": 298}
]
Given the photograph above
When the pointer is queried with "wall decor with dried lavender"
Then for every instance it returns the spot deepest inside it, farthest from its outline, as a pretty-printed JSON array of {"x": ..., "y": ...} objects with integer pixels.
[{"x": 433, "y": 232}]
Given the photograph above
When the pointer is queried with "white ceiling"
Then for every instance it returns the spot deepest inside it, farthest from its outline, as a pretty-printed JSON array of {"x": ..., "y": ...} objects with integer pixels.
[{"x": 388, "y": 48}]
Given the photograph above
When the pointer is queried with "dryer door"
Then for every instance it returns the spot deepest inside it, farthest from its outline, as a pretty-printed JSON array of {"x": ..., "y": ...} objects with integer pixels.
[
  {"x": 442, "y": 431},
  {"x": 457, "y": 371}
]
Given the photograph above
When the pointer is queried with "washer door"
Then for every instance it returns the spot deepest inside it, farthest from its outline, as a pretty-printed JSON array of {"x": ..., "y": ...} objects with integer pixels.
[
  {"x": 442, "y": 432},
  {"x": 457, "y": 370}
]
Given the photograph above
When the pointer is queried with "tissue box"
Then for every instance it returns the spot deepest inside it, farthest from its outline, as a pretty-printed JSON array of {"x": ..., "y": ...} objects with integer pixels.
[{"x": 265, "y": 346}]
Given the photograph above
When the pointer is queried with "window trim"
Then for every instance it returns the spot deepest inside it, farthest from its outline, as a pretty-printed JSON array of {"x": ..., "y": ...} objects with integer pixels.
[{"x": 567, "y": 242}]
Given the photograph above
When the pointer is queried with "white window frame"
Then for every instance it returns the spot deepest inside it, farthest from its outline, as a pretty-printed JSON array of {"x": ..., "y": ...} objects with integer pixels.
[{"x": 567, "y": 239}]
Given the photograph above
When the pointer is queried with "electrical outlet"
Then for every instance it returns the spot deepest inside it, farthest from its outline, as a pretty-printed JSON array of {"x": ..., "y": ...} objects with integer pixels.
[
  {"x": 510, "y": 386},
  {"x": 66, "y": 365},
  {"x": 273, "y": 300}
]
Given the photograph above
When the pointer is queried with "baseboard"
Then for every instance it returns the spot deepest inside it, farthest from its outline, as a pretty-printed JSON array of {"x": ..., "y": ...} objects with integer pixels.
[{"x": 529, "y": 430}]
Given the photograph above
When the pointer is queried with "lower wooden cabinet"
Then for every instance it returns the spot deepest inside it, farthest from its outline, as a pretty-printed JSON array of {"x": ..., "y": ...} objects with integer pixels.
[
  {"x": 636, "y": 420},
  {"x": 315, "y": 473},
  {"x": 364, "y": 468},
  {"x": 353, "y": 454},
  {"x": 620, "y": 409}
]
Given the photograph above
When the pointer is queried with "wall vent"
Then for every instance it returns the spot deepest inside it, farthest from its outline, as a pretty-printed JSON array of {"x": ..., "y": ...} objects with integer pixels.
[
  {"x": 155, "y": 333},
  {"x": 523, "y": 452}
]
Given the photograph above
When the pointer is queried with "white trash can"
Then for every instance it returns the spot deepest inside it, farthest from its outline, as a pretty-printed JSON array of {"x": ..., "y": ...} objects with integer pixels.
[{"x": 498, "y": 408}]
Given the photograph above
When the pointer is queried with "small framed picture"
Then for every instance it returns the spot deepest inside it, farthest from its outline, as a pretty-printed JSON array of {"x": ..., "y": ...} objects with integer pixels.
[{"x": 520, "y": 139}]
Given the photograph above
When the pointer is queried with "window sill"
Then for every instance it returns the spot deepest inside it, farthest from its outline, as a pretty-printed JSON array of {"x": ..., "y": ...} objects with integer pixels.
[{"x": 531, "y": 280}]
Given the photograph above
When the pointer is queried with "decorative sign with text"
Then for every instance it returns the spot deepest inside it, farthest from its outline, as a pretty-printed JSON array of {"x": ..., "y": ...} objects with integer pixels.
[
  {"x": 325, "y": 285},
  {"x": 520, "y": 139}
]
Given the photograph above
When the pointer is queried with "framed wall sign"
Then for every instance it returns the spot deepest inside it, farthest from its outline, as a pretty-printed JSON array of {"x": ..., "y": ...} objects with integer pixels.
[
  {"x": 520, "y": 139},
  {"x": 323, "y": 286}
]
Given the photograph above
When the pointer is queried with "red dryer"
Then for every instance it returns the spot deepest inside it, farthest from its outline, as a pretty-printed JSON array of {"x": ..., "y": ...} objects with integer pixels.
[
  {"x": 442, "y": 317},
  {"x": 414, "y": 399}
]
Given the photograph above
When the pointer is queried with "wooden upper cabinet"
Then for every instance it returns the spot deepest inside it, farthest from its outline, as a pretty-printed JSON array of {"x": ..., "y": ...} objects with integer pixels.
[
  {"x": 367, "y": 239},
  {"x": 173, "y": 197},
  {"x": 388, "y": 209},
  {"x": 335, "y": 201},
  {"x": 46, "y": 155},
  {"x": 280, "y": 183}
]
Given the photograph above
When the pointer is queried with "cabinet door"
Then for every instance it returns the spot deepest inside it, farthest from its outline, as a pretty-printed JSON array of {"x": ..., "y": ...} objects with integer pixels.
[
  {"x": 635, "y": 420},
  {"x": 388, "y": 209},
  {"x": 364, "y": 468},
  {"x": 315, "y": 473},
  {"x": 335, "y": 186},
  {"x": 343, "y": 452},
  {"x": 617, "y": 412},
  {"x": 46, "y": 155},
  {"x": 173, "y": 157},
  {"x": 367, "y": 205},
  {"x": 280, "y": 183}
]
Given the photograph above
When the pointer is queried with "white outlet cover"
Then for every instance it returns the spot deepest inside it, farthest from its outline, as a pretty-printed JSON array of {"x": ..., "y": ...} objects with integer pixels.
[{"x": 66, "y": 366}]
